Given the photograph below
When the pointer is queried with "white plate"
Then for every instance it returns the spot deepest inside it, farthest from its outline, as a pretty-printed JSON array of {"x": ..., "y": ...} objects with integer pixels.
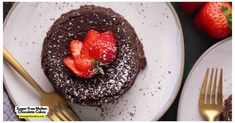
[
  {"x": 156, "y": 24},
  {"x": 219, "y": 55}
]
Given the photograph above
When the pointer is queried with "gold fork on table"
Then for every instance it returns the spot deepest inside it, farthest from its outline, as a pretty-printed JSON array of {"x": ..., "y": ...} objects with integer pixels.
[
  {"x": 211, "y": 99},
  {"x": 59, "y": 109}
]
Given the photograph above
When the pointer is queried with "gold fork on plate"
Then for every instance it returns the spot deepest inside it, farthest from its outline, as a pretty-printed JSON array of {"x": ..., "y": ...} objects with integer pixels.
[
  {"x": 59, "y": 109},
  {"x": 211, "y": 98}
]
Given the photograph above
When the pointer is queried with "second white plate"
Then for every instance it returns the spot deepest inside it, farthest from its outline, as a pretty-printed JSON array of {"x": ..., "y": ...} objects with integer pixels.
[{"x": 218, "y": 56}]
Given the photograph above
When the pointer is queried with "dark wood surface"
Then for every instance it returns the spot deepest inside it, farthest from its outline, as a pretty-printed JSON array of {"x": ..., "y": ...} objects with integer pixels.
[{"x": 196, "y": 43}]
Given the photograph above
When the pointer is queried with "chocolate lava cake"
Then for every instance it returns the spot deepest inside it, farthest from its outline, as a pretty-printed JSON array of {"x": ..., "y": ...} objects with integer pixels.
[
  {"x": 118, "y": 77},
  {"x": 227, "y": 109}
]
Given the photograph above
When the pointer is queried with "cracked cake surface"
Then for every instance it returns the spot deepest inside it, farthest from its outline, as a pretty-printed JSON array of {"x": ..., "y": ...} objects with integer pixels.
[{"x": 119, "y": 75}]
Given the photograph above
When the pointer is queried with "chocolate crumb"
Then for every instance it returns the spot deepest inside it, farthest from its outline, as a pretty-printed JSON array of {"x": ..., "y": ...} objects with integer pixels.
[{"x": 131, "y": 114}]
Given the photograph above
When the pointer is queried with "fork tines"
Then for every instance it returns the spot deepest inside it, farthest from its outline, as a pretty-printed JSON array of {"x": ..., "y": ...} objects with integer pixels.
[
  {"x": 211, "y": 99},
  {"x": 211, "y": 91}
]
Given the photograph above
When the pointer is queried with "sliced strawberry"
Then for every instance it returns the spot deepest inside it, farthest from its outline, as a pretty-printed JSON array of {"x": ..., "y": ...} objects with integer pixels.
[
  {"x": 108, "y": 36},
  {"x": 91, "y": 36},
  {"x": 88, "y": 58},
  {"x": 104, "y": 50},
  {"x": 75, "y": 47},
  {"x": 85, "y": 51},
  {"x": 86, "y": 73},
  {"x": 69, "y": 62},
  {"x": 84, "y": 64},
  {"x": 103, "y": 47}
]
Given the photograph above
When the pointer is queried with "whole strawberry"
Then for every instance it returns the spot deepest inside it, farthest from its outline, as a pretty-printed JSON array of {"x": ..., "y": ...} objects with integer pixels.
[{"x": 215, "y": 19}]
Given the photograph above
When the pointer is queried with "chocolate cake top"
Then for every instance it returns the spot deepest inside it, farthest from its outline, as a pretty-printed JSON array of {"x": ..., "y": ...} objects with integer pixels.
[{"x": 119, "y": 75}]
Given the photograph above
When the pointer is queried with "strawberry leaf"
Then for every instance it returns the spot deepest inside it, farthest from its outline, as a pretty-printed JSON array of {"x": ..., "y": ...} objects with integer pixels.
[
  {"x": 228, "y": 15},
  {"x": 98, "y": 67},
  {"x": 224, "y": 8}
]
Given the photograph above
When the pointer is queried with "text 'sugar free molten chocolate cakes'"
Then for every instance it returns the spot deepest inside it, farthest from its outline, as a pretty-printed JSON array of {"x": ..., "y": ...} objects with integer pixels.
[{"x": 118, "y": 76}]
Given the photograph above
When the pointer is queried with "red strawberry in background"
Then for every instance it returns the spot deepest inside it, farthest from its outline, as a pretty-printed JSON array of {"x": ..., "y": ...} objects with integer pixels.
[
  {"x": 215, "y": 19},
  {"x": 87, "y": 58},
  {"x": 190, "y": 7}
]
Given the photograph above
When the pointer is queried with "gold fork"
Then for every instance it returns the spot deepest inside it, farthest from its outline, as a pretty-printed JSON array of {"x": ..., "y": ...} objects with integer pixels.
[
  {"x": 211, "y": 99},
  {"x": 59, "y": 109}
]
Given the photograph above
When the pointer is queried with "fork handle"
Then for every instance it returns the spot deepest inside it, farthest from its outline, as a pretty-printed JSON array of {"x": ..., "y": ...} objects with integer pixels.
[
  {"x": 12, "y": 61},
  {"x": 211, "y": 117}
]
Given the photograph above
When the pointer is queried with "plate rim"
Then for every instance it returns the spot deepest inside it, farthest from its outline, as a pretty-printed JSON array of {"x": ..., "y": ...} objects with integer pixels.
[
  {"x": 193, "y": 69},
  {"x": 177, "y": 87},
  {"x": 179, "y": 81}
]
